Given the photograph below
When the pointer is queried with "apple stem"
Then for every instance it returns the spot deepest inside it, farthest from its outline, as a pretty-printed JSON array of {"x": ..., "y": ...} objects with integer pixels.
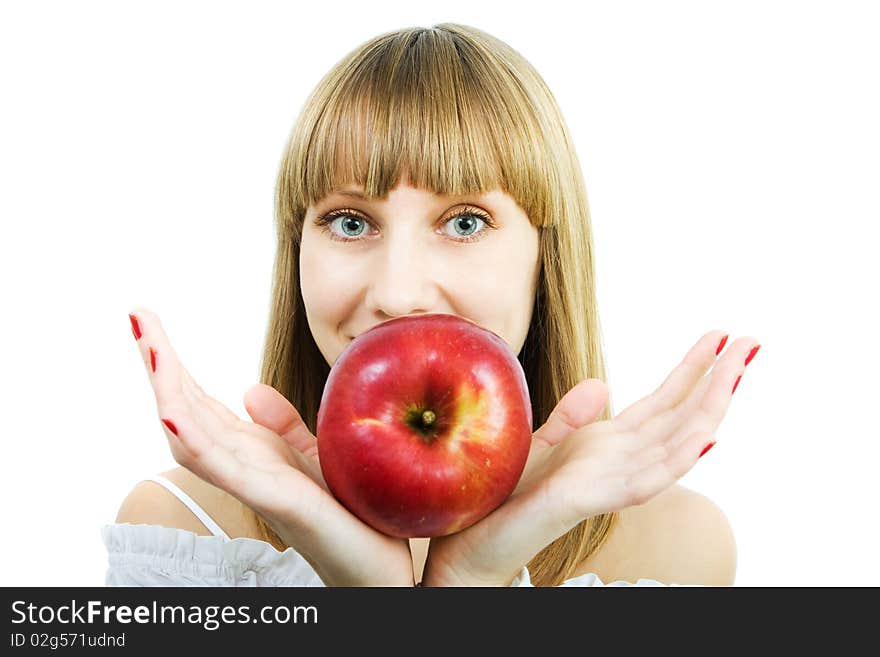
[{"x": 428, "y": 418}]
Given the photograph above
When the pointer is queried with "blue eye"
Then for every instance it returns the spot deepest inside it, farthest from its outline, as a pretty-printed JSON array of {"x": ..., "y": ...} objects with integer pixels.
[
  {"x": 470, "y": 221},
  {"x": 469, "y": 224},
  {"x": 350, "y": 222}
]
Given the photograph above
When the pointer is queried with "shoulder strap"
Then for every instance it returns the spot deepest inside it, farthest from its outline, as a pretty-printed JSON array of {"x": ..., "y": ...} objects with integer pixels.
[{"x": 200, "y": 513}]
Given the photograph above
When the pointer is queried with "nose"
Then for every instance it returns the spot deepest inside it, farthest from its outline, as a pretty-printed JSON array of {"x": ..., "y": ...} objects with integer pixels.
[{"x": 401, "y": 283}]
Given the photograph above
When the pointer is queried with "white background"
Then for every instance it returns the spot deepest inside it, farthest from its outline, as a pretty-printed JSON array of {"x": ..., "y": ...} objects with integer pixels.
[{"x": 731, "y": 158}]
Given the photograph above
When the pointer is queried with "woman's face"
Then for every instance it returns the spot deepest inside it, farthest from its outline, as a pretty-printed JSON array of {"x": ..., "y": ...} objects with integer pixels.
[{"x": 408, "y": 255}]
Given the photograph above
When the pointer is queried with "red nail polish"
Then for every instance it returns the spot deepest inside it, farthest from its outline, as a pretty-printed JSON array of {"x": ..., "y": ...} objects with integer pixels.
[
  {"x": 706, "y": 449},
  {"x": 721, "y": 344},
  {"x": 736, "y": 384},
  {"x": 752, "y": 354},
  {"x": 135, "y": 327},
  {"x": 153, "y": 358},
  {"x": 172, "y": 428}
]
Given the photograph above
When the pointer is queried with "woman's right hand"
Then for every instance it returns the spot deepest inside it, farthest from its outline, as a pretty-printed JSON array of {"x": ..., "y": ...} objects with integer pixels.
[{"x": 272, "y": 469}]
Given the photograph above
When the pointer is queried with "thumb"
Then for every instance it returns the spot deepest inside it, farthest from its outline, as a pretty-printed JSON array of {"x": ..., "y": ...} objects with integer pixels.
[
  {"x": 578, "y": 407},
  {"x": 269, "y": 408}
]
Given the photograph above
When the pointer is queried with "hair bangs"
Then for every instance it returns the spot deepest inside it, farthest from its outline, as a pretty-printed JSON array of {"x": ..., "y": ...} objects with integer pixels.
[{"x": 429, "y": 105}]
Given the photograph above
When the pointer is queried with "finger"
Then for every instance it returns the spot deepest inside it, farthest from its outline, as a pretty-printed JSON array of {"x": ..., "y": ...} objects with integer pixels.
[
  {"x": 656, "y": 430},
  {"x": 217, "y": 420},
  {"x": 677, "y": 385},
  {"x": 706, "y": 407},
  {"x": 181, "y": 452},
  {"x": 164, "y": 370},
  {"x": 577, "y": 408},
  {"x": 218, "y": 411},
  {"x": 648, "y": 481},
  {"x": 711, "y": 408},
  {"x": 230, "y": 433},
  {"x": 271, "y": 409},
  {"x": 206, "y": 457},
  {"x": 174, "y": 388},
  {"x": 160, "y": 360}
]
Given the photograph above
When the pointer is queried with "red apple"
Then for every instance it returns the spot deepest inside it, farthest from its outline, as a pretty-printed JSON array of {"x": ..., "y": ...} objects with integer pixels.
[{"x": 425, "y": 425}]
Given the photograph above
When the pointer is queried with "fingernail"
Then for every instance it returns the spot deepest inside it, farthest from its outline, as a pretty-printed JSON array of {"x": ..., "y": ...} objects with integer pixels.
[
  {"x": 705, "y": 449},
  {"x": 736, "y": 384},
  {"x": 173, "y": 429},
  {"x": 752, "y": 354},
  {"x": 721, "y": 344},
  {"x": 153, "y": 358},
  {"x": 135, "y": 327}
]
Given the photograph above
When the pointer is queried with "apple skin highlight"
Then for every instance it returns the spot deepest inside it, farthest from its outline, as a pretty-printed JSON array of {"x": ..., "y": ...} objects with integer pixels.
[{"x": 425, "y": 425}]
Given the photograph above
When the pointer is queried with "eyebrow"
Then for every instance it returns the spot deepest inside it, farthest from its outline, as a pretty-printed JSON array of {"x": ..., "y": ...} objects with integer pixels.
[
  {"x": 343, "y": 192},
  {"x": 354, "y": 194}
]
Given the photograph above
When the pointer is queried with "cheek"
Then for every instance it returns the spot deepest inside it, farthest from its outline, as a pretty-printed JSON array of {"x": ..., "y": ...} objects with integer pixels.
[
  {"x": 498, "y": 294},
  {"x": 307, "y": 276},
  {"x": 514, "y": 294},
  {"x": 322, "y": 281},
  {"x": 508, "y": 278}
]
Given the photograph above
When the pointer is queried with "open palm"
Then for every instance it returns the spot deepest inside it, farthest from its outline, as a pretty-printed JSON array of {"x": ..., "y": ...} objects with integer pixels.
[
  {"x": 577, "y": 469},
  {"x": 271, "y": 467}
]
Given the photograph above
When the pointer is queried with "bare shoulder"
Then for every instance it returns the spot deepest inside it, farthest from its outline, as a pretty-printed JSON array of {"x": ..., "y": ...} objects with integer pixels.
[
  {"x": 678, "y": 537},
  {"x": 152, "y": 504}
]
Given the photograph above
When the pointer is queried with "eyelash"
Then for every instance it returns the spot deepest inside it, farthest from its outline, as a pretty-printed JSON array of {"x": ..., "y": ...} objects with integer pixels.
[{"x": 468, "y": 211}]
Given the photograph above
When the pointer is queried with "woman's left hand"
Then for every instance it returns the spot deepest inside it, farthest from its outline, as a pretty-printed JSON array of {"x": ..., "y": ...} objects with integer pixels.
[{"x": 577, "y": 469}]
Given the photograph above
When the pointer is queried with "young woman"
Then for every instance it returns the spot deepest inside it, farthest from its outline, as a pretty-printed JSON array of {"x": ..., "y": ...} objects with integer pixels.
[{"x": 431, "y": 171}]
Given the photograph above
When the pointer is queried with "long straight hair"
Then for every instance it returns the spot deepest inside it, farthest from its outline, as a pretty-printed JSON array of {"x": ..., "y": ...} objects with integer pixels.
[{"x": 460, "y": 112}]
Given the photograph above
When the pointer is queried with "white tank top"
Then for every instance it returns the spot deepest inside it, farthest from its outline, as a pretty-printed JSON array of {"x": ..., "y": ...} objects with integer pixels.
[{"x": 200, "y": 513}]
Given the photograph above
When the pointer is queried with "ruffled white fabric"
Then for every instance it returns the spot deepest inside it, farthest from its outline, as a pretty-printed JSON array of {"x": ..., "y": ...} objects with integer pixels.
[
  {"x": 588, "y": 579},
  {"x": 152, "y": 555}
]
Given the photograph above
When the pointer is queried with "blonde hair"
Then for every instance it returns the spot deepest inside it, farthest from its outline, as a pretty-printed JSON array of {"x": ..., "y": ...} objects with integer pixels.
[{"x": 460, "y": 112}]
